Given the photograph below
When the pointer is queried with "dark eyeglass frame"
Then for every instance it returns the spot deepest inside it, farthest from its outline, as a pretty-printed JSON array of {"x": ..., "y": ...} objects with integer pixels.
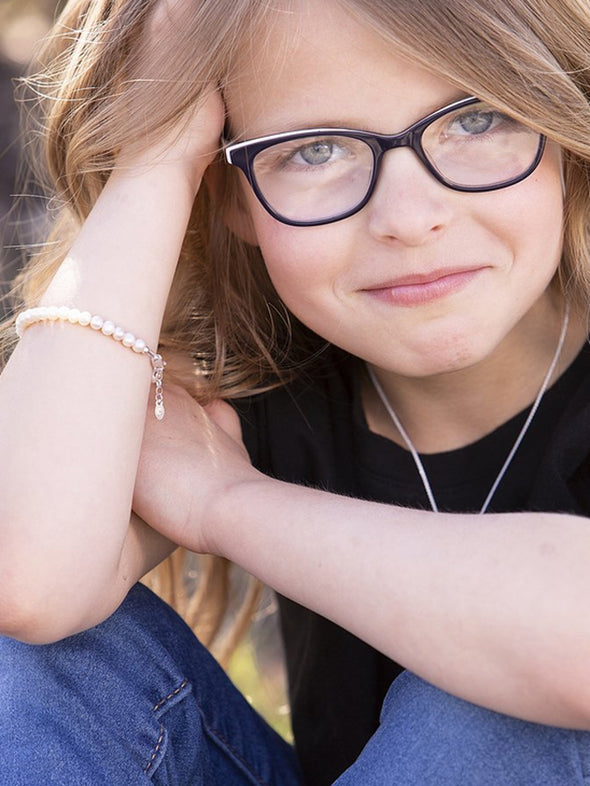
[{"x": 242, "y": 155}]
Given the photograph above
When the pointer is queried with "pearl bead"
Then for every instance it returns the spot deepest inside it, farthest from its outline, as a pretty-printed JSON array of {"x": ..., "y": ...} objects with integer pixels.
[{"x": 74, "y": 316}]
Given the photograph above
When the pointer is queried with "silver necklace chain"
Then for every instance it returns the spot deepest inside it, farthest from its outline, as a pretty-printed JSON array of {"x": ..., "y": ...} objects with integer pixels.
[{"x": 410, "y": 445}]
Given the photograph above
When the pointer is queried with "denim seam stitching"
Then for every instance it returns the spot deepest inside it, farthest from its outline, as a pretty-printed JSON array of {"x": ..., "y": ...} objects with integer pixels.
[
  {"x": 150, "y": 763},
  {"x": 170, "y": 696},
  {"x": 213, "y": 733},
  {"x": 155, "y": 708}
]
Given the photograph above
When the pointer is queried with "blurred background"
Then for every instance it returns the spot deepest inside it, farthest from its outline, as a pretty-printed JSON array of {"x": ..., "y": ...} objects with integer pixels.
[
  {"x": 257, "y": 666},
  {"x": 22, "y": 24}
]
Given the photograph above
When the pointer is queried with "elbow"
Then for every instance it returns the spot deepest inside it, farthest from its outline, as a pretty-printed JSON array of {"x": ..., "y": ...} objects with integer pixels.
[
  {"x": 26, "y": 630},
  {"x": 568, "y": 700},
  {"x": 26, "y": 622},
  {"x": 31, "y": 618},
  {"x": 44, "y": 614},
  {"x": 40, "y": 623},
  {"x": 578, "y": 697},
  {"x": 29, "y": 593},
  {"x": 51, "y": 590}
]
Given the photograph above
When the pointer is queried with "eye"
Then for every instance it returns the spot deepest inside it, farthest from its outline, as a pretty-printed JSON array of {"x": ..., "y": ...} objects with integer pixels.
[
  {"x": 318, "y": 152},
  {"x": 476, "y": 121},
  {"x": 310, "y": 155}
]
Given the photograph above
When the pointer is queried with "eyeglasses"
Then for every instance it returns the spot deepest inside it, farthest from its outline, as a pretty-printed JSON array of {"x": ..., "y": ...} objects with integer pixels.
[{"x": 320, "y": 175}]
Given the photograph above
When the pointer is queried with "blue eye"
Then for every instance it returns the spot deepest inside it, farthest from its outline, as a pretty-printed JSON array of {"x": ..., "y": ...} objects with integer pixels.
[
  {"x": 477, "y": 121},
  {"x": 318, "y": 152}
]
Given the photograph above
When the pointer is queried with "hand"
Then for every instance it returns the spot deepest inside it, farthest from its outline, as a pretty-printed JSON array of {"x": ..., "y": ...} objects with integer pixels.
[
  {"x": 187, "y": 460},
  {"x": 191, "y": 138}
]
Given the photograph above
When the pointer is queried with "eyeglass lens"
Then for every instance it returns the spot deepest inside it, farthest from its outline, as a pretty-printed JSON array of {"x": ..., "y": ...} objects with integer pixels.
[{"x": 318, "y": 177}]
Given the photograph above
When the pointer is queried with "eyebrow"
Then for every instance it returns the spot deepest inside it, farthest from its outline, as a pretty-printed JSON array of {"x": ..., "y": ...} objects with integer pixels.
[
  {"x": 324, "y": 123},
  {"x": 293, "y": 127}
]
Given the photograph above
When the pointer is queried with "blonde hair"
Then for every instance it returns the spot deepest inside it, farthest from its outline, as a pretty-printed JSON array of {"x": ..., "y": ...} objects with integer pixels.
[{"x": 528, "y": 57}]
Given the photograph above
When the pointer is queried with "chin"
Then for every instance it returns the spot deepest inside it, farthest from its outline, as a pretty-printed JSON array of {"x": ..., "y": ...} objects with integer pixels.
[{"x": 433, "y": 358}]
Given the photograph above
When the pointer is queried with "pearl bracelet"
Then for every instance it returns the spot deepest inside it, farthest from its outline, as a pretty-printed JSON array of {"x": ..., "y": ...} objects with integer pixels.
[{"x": 76, "y": 317}]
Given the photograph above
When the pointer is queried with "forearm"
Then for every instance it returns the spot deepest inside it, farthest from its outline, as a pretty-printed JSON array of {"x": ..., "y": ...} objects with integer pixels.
[
  {"x": 493, "y": 608},
  {"x": 72, "y": 402}
]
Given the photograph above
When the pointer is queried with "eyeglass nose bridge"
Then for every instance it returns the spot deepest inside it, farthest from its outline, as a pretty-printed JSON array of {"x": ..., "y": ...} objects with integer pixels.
[
  {"x": 409, "y": 138},
  {"x": 384, "y": 143}
]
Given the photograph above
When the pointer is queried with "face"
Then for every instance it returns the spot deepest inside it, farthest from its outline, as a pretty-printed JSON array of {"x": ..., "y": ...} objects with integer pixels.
[{"x": 423, "y": 280}]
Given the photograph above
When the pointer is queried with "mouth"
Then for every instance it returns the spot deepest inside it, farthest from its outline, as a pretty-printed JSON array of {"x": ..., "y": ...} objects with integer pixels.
[{"x": 414, "y": 290}]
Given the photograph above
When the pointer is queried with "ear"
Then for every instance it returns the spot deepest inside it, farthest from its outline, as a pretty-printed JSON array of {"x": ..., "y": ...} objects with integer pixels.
[{"x": 226, "y": 191}]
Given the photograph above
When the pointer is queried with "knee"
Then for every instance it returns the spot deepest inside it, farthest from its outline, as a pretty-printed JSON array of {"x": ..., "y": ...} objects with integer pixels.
[{"x": 447, "y": 737}]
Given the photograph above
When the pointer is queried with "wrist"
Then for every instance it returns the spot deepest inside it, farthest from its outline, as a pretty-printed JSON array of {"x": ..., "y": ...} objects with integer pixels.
[
  {"x": 230, "y": 521},
  {"x": 166, "y": 174}
]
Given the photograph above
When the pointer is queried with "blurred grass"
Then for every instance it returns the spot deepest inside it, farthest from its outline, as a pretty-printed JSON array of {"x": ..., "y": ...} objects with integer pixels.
[{"x": 263, "y": 686}]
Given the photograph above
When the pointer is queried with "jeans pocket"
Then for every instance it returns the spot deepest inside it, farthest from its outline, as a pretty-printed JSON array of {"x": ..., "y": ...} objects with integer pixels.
[{"x": 177, "y": 746}]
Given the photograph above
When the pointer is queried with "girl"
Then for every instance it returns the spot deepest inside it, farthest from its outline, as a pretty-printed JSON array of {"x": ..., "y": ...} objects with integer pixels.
[{"x": 387, "y": 271}]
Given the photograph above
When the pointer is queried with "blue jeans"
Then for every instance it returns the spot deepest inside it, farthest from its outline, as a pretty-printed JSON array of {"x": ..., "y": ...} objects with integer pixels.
[{"x": 137, "y": 700}]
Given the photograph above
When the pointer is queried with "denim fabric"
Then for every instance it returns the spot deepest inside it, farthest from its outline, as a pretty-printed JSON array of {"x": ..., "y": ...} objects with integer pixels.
[
  {"x": 429, "y": 738},
  {"x": 137, "y": 700}
]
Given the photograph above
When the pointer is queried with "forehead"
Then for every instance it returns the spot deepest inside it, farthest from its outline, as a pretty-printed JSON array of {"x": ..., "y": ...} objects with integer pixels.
[{"x": 317, "y": 65}]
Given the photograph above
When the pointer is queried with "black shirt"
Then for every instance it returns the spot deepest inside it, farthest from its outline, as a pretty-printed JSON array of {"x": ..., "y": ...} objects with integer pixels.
[{"x": 313, "y": 432}]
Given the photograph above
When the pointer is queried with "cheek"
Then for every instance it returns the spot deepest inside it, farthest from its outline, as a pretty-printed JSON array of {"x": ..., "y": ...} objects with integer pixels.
[
  {"x": 300, "y": 260},
  {"x": 290, "y": 260},
  {"x": 539, "y": 211},
  {"x": 306, "y": 269},
  {"x": 278, "y": 249},
  {"x": 528, "y": 220}
]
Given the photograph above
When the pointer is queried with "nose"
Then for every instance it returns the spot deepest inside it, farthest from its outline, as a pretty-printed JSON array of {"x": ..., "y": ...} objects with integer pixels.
[{"x": 408, "y": 204}]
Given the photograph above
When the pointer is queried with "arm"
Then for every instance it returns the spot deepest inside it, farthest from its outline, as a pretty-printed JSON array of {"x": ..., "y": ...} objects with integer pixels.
[
  {"x": 493, "y": 609},
  {"x": 72, "y": 403}
]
